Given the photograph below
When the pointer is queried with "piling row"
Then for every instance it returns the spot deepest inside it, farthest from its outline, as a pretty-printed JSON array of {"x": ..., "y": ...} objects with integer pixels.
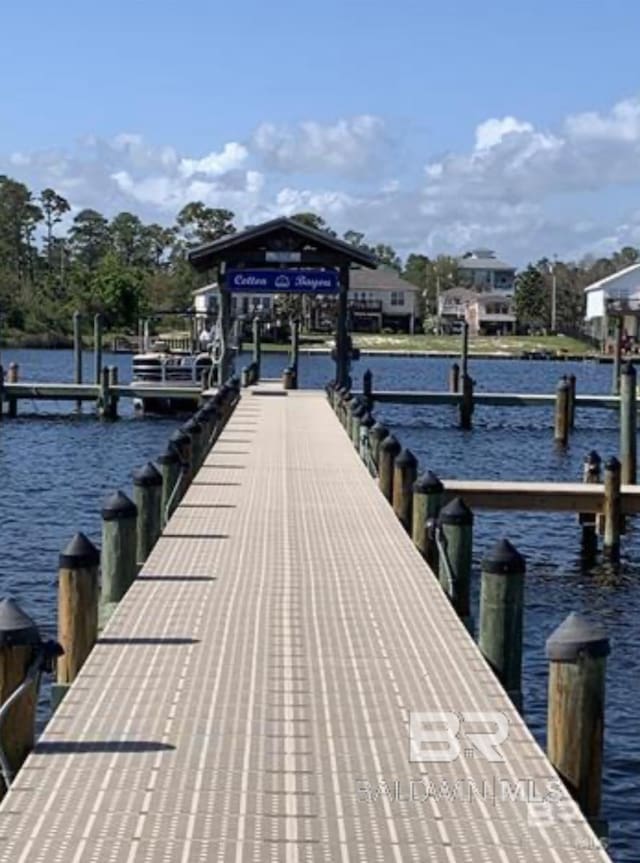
[
  {"x": 443, "y": 534},
  {"x": 91, "y": 582}
]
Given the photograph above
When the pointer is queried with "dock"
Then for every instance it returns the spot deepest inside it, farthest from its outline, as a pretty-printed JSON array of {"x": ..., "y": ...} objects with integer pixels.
[
  {"x": 540, "y": 496},
  {"x": 425, "y": 397},
  {"x": 261, "y": 691}
]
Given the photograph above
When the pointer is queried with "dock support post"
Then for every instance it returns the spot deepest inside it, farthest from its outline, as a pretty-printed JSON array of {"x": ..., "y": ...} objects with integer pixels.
[
  {"x": 455, "y": 532},
  {"x": 501, "y": 615},
  {"x": 112, "y": 403},
  {"x": 147, "y": 496},
  {"x": 617, "y": 356},
  {"x": 97, "y": 347},
  {"x": 588, "y": 520},
  {"x": 377, "y": 433},
  {"x": 119, "y": 516},
  {"x": 367, "y": 387},
  {"x": 628, "y": 425},
  {"x": 182, "y": 445},
  {"x": 572, "y": 401},
  {"x": 19, "y": 639},
  {"x": 77, "y": 352},
  {"x": 387, "y": 452},
  {"x": 367, "y": 422},
  {"x": 405, "y": 471},
  {"x": 295, "y": 345},
  {"x": 257, "y": 347},
  {"x": 464, "y": 354},
  {"x": 78, "y": 596},
  {"x": 169, "y": 463},
  {"x": 1, "y": 391},
  {"x": 13, "y": 376},
  {"x": 454, "y": 378},
  {"x": 577, "y": 652},
  {"x": 193, "y": 428},
  {"x": 427, "y": 501},
  {"x": 612, "y": 509},
  {"x": 356, "y": 415},
  {"x": 561, "y": 426},
  {"x": 466, "y": 403}
]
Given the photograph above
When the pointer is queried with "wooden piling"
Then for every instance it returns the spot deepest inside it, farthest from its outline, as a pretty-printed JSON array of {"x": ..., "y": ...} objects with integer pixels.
[
  {"x": 572, "y": 401},
  {"x": 182, "y": 445},
  {"x": 295, "y": 345},
  {"x": 113, "y": 396},
  {"x": 193, "y": 428},
  {"x": 97, "y": 347},
  {"x": 78, "y": 595},
  {"x": 455, "y": 532},
  {"x": 501, "y": 615},
  {"x": 257, "y": 347},
  {"x": 170, "y": 471},
  {"x": 367, "y": 387},
  {"x": 588, "y": 520},
  {"x": 77, "y": 352},
  {"x": 405, "y": 471},
  {"x": 367, "y": 422},
  {"x": 13, "y": 376},
  {"x": 454, "y": 378},
  {"x": 289, "y": 379},
  {"x": 612, "y": 509},
  {"x": 377, "y": 433},
  {"x": 147, "y": 496},
  {"x": 628, "y": 425},
  {"x": 464, "y": 353},
  {"x": 119, "y": 516},
  {"x": 19, "y": 639},
  {"x": 466, "y": 403},
  {"x": 577, "y": 652},
  {"x": 356, "y": 415},
  {"x": 388, "y": 450},
  {"x": 2, "y": 396},
  {"x": 617, "y": 356},
  {"x": 427, "y": 502},
  {"x": 561, "y": 426}
]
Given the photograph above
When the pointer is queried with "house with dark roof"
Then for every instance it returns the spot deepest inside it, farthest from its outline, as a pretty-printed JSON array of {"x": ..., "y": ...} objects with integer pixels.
[{"x": 481, "y": 271}]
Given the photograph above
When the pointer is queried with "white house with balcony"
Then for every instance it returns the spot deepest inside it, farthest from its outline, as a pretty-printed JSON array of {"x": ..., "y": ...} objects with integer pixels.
[{"x": 613, "y": 297}]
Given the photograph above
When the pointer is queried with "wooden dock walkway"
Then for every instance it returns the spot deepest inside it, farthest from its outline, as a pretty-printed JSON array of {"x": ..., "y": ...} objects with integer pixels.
[{"x": 250, "y": 699}]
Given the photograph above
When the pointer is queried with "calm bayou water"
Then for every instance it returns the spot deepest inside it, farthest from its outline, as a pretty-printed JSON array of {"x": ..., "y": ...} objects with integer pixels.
[{"x": 56, "y": 470}]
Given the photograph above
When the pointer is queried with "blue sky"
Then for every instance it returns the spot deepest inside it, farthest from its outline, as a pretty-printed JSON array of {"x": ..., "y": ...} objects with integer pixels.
[{"x": 432, "y": 126}]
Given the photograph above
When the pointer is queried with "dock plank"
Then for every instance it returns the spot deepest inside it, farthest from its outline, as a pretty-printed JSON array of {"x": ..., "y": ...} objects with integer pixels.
[{"x": 250, "y": 698}]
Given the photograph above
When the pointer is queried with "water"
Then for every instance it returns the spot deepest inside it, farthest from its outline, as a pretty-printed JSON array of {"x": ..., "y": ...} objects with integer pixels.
[{"x": 57, "y": 470}]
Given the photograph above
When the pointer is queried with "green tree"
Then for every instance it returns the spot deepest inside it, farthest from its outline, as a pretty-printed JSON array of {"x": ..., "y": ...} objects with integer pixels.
[
  {"x": 198, "y": 224},
  {"x": 54, "y": 206},
  {"x": 130, "y": 240},
  {"x": 532, "y": 299},
  {"x": 19, "y": 217},
  {"x": 312, "y": 220},
  {"x": 117, "y": 291},
  {"x": 89, "y": 238}
]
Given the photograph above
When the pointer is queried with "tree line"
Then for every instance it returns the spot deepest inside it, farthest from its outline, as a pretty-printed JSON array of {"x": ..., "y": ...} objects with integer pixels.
[{"x": 124, "y": 268}]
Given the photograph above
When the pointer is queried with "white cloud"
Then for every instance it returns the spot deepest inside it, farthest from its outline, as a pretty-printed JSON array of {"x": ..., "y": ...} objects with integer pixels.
[
  {"x": 492, "y": 131},
  {"x": 345, "y": 147},
  {"x": 232, "y": 156}
]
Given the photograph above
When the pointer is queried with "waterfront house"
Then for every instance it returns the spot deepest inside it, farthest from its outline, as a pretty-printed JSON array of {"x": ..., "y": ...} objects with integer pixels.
[
  {"x": 614, "y": 296},
  {"x": 481, "y": 271}
]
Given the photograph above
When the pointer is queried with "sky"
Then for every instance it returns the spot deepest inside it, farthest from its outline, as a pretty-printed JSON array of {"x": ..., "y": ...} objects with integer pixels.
[{"x": 435, "y": 127}]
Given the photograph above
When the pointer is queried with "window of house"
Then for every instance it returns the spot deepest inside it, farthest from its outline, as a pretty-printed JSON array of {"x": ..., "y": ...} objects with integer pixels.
[{"x": 397, "y": 298}]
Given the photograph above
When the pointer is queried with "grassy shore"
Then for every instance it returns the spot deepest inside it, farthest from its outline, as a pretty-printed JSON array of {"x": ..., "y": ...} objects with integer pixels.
[{"x": 507, "y": 345}]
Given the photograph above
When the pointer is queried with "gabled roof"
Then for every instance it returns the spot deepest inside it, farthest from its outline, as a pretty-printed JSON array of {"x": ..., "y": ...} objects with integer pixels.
[
  {"x": 483, "y": 259},
  {"x": 258, "y": 236},
  {"x": 382, "y": 279},
  {"x": 207, "y": 289},
  {"x": 458, "y": 293},
  {"x": 608, "y": 280}
]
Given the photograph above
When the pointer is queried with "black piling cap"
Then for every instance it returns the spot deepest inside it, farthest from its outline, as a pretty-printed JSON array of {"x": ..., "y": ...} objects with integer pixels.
[
  {"x": 577, "y": 636},
  {"x": 503, "y": 559},
  {"x": 428, "y": 483},
  {"x": 118, "y": 506},
  {"x": 406, "y": 459},
  {"x": 563, "y": 383},
  {"x": 192, "y": 427},
  {"x": 379, "y": 431},
  {"x": 179, "y": 438},
  {"x": 593, "y": 458},
  {"x": 391, "y": 445},
  {"x": 358, "y": 409},
  {"x": 169, "y": 456},
  {"x": 612, "y": 464},
  {"x": 16, "y": 627},
  {"x": 80, "y": 553},
  {"x": 367, "y": 420},
  {"x": 146, "y": 476},
  {"x": 628, "y": 369},
  {"x": 456, "y": 512}
]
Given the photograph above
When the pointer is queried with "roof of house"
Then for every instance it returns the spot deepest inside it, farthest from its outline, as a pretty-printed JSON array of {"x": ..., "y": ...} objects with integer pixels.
[
  {"x": 614, "y": 277},
  {"x": 483, "y": 259},
  {"x": 273, "y": 233},
  {"x": 458, "y": 293},
  {"x": 494, "y": 298},
  {"x": 382, "y": 279},
  {"x": 207, "y": 289}
]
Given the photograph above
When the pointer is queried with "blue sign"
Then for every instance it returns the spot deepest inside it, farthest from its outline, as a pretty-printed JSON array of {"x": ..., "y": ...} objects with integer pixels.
[{"x": 283, "y": 281}]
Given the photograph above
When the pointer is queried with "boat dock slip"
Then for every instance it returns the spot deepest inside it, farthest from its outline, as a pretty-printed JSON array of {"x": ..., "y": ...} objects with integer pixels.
[
  {"x": 540, "y": 496},
  {"x": 273, "y": 682}
]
